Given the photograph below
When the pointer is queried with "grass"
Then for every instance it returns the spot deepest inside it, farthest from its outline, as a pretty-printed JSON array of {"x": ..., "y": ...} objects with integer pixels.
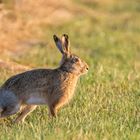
[{"x": 107, "y": 100}]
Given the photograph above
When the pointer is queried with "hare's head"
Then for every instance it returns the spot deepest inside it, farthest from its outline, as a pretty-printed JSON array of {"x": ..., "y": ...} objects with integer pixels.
[{"x": 69, "y": 62}]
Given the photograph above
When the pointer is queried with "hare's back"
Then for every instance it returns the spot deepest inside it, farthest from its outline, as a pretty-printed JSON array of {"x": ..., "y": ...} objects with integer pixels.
[{"x": 29, "y": 80}]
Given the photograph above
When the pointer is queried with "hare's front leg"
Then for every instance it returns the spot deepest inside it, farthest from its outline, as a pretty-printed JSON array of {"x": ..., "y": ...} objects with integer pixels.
[
  {"x": 54, "y": 108},
  {"x": 28, "y": 109}
]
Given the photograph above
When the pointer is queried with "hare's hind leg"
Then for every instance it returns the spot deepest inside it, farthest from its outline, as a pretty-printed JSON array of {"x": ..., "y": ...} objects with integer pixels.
[
  {"x": 10, "y": 110},
  {"x": 9, "y": 102},
  {"x": 28, "y": 109}
]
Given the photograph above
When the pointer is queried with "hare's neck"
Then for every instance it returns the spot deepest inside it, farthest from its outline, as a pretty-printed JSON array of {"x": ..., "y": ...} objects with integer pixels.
[
  {"x": 68, "y": 69},
  {"x": 65, "y": 69}
]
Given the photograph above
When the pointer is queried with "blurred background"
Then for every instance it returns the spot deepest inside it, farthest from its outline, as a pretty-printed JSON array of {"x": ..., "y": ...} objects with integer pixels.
[
  {"x": 106, "y": 34},
  {"x": 97, "y": 27}
]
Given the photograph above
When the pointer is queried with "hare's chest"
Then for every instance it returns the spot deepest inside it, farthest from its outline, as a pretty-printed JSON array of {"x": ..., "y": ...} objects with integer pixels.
[{"x": 69, "y": 93}]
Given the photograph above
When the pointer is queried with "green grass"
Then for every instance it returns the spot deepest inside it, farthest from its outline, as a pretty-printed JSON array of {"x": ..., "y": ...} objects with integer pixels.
[{"x": 107, "y": 100}]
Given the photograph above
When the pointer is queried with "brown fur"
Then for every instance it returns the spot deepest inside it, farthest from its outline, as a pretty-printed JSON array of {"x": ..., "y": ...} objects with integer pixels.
[{"x": 53, "y": 87}]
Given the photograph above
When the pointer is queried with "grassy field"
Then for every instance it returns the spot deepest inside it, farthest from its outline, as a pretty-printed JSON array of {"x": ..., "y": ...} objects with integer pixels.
[{"x": 106, "y": 105}]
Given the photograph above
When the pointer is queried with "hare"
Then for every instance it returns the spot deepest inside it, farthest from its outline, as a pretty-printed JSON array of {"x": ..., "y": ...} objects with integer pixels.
[{"x": 51, "y": 87}]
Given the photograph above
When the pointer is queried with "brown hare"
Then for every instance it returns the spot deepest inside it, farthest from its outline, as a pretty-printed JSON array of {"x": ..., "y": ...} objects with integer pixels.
[{"x": 51, "y": 87}]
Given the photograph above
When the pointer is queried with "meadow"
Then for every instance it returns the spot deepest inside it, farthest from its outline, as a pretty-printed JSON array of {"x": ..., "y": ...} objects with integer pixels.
[{"x": 106, "y": 105}]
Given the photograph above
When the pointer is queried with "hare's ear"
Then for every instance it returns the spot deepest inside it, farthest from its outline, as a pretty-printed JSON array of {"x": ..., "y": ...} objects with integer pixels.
[
  {"x": 58, "y": 43},
  {"x": 65, "y": 43}
]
